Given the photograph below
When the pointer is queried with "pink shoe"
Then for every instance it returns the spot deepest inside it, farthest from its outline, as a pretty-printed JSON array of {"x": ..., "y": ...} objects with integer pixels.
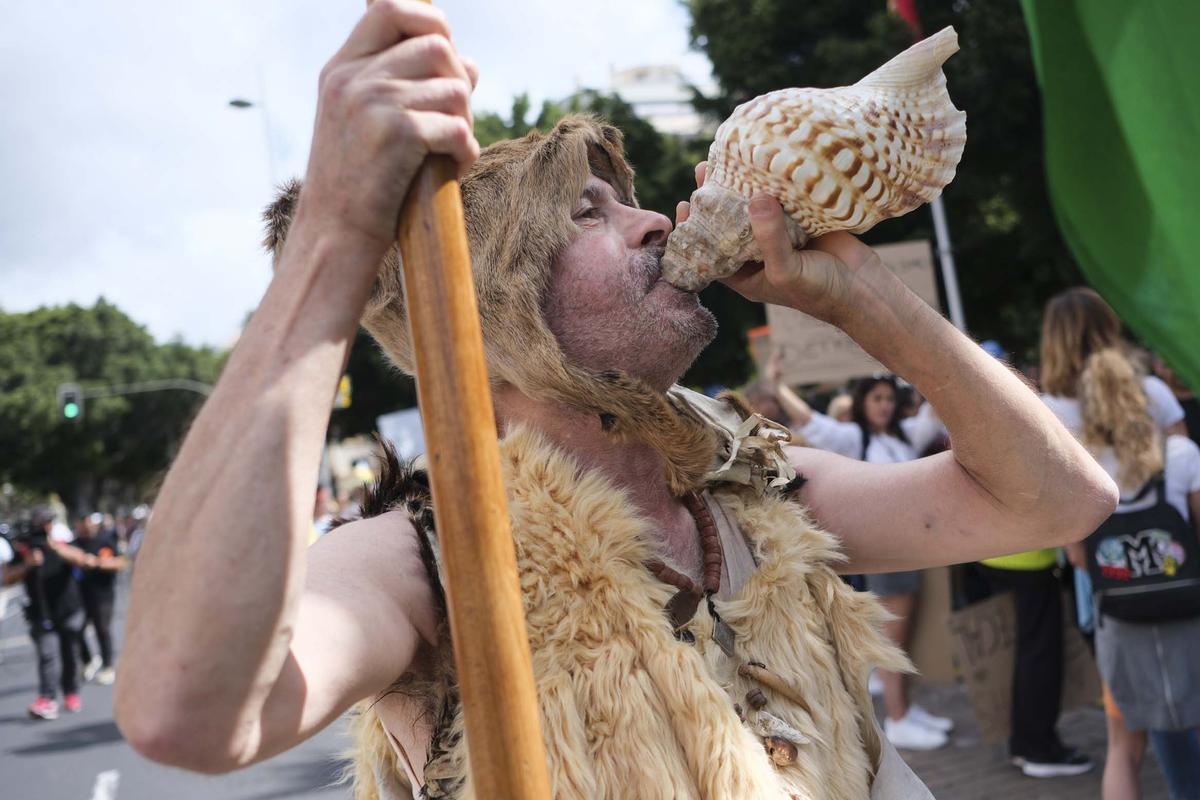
[
  {"x": 43, "y": 708},
  {"x": 72, "y": 703}
]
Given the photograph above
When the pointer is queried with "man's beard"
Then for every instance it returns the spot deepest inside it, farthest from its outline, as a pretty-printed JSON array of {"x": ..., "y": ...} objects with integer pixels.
[
  {"x": 655, "y": 335},
  {"x": 666, "y": 362}
]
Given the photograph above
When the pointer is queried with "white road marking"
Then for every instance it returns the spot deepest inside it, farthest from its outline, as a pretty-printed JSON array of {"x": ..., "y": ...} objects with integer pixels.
[
  {"x": 13, "y": 642},
  {"x": 106, "y": 785},
  {"x": 8, "y": 608}
]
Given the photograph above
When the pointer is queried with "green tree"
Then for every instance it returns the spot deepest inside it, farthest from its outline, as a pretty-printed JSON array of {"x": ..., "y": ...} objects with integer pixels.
[
  {"x": 1009, "y": 253},
  {"x": 122, "y": 443}
]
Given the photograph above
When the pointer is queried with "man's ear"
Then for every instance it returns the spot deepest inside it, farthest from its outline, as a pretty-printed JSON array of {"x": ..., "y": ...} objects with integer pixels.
[{"x": 278, "y": 216}]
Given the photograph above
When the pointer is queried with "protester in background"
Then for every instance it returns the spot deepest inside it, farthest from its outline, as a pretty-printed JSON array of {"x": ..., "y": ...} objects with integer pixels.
[
  {"x": 1185, "y": 396},
  {"x": 878, "y": 434},
  {"x": 53, "y": 610},
  {"x": 89, "y": 661},
  {"x": 98, "y": 588},
  {"x": 762, "y": 399},
  {"x": 1151, "y": 672},
  {"x": 1077, "y": 325},
  {"x": 136, "y": 531},
  {"x": 840, "y": 408}
]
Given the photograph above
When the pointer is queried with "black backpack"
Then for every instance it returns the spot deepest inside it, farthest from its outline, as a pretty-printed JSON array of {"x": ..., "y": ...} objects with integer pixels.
[{"x": 1145, "y": 565}]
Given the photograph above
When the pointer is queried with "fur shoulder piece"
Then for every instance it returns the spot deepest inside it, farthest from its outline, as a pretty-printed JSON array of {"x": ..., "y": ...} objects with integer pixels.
[{"x": 405, "y": 485}]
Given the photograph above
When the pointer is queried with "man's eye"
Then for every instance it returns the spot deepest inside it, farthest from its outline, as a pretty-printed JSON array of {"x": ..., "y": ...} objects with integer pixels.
[{"x": 591, "y": 212}]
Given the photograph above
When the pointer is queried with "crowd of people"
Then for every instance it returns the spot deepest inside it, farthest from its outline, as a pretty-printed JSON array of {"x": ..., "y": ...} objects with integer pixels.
[
  {"x": 69, "y": 575},
  {"x": 1138, "y": 601}
]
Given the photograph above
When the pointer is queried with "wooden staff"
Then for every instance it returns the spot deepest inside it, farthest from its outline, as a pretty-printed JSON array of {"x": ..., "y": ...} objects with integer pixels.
[{"x": 487, "y": 625}]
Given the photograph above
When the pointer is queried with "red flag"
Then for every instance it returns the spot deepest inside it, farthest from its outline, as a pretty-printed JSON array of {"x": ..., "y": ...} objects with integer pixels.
[{"x": 907, "y": 11}]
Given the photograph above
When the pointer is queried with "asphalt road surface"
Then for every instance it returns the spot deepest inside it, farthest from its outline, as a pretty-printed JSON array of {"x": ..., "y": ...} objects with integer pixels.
[{"x": 83, "y": 757}]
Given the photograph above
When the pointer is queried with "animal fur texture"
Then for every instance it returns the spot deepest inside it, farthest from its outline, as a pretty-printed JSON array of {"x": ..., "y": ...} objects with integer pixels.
[
  {"x": 627, "y": 710},
  {"x": 517, "y": 201}
]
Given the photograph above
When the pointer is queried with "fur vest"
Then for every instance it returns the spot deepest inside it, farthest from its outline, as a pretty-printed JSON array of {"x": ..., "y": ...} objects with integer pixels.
[{"x": 628, "y": 709}]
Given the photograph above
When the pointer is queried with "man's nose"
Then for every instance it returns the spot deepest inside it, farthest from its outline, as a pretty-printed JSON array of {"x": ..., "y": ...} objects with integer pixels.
[{"x": 652, "y": 229}]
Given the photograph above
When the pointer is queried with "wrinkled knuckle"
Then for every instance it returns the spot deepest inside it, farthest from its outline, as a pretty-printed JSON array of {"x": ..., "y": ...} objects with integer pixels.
[
  {"x": 358, "y": 100},
  {"x": 438, "y": 52},
  {"x": 462, "y": 133},
  {"x": 460, "y": 97},
  {"x": 335, "y": 81}
]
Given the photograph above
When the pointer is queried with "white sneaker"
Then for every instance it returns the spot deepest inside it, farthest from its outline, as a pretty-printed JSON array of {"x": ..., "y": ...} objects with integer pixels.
[
  {"x": 106, "y": 676},
  {"x": 874, "y": 684},
  {"x": 908, "y": 734},
  {"x": 93, "y": 666},
  {"x": 932, "y": 721}
]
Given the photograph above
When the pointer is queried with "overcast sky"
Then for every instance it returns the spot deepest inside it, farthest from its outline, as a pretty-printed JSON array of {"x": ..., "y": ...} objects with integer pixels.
[{"x": 125, "y": 173}]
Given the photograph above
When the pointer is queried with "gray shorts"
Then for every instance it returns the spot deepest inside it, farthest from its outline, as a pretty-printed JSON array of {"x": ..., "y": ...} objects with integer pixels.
[
  {"x": 1153, "y": 671},
  {"x": 885, "y": 584}
]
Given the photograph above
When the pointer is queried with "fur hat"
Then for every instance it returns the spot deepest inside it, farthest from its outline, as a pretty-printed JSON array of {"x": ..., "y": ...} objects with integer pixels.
[{"x": 517, "y": 199}]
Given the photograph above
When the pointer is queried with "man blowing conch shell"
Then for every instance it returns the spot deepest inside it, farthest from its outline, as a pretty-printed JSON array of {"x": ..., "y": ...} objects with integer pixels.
[{"x": 690, "y": 636}]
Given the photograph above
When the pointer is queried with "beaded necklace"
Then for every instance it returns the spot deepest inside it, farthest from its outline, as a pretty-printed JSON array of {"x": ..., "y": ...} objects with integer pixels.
[{"x": 683, "y": 604}]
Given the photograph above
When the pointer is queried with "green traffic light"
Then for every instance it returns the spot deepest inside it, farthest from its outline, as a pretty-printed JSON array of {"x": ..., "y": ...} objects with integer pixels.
[{"x": 71, "y": 410}]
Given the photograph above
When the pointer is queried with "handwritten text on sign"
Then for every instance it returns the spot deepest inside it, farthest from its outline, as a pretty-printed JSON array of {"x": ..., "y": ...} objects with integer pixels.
[{"x": 812, "y": 351}]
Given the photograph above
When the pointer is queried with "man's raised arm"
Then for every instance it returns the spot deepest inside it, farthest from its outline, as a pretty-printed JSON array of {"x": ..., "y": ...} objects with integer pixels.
[
  {"x": 225, "y": 659},
  {"x": 1016, "y": 478}
]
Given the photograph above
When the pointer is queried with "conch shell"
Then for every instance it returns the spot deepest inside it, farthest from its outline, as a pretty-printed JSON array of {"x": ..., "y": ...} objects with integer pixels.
[{"x": 836, "y": 159}]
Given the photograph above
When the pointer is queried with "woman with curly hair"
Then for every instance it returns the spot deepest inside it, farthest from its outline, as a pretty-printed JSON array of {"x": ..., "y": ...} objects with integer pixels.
[{"x": 1133, "y": 426}]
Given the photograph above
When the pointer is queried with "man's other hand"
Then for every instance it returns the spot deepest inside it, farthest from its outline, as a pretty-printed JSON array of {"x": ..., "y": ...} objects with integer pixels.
[
  {"x": 817, "y": 279},
  {"x": 397, "y": 91}
]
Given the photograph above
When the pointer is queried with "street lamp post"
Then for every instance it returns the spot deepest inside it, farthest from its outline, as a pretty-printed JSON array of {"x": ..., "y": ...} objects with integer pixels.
[{"x": 242, "y": 103}]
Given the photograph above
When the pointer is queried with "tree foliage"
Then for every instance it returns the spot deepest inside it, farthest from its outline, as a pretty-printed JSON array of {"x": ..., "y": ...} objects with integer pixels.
[
  {"x": 1009, "y": 252},
  {"x": 122, "y": 443}
]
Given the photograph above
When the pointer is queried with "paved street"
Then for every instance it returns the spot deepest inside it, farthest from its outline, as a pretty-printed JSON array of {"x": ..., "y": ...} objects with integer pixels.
[
  {"x": 82, "y": 756},
  {"x": 969, "y": 769}
]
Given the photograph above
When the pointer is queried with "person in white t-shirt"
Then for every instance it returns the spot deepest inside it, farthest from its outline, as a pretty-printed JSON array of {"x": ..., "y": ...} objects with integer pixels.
[
  {"x": 878, "y": 433},
  {"x": 1123, "y": 417}
]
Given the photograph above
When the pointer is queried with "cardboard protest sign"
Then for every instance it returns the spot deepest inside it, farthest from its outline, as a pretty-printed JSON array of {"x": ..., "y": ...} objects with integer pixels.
[
  {"x": 930, "y": 647},
  {"x": 984, "y": 644},
  {"x": 812, "y": 351}
]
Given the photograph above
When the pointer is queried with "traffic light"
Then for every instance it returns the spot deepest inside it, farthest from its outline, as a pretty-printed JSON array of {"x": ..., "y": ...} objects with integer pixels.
[{"x": 70, "y": 402}]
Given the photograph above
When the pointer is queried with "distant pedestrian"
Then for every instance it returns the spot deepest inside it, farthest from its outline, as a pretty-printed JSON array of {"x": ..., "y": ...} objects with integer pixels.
[
  {"x": 98, "y": 588},
  {"x": 54, "y": 610},
  {"x": 1184, "y": 394}
]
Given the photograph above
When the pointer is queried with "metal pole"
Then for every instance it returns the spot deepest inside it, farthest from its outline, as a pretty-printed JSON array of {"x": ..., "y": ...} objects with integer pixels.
[
  {"x": 946, "y": 258},
  {"x": 182, "y": 384}
]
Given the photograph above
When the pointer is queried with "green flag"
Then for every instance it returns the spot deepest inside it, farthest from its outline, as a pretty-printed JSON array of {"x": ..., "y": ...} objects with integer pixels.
[{"x": 1120, "y": 86}]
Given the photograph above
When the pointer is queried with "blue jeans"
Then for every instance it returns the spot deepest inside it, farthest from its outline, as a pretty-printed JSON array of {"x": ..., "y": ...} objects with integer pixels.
[{"x": 1179, "y": 755}]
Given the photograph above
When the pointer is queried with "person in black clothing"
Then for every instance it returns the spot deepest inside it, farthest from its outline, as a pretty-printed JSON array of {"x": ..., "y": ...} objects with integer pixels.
[
  {"x": 54, "y": 609},
  {"x": 98, "y": 586}
]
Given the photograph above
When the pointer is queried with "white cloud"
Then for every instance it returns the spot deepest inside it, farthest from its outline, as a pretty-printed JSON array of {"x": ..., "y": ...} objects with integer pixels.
[{"x": 126, "y": 174}]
